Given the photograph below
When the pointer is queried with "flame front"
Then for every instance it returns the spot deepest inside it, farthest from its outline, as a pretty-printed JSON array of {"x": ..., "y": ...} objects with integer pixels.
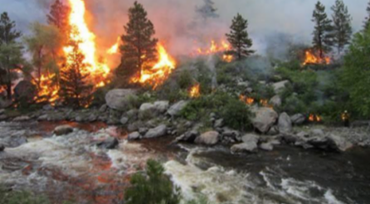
[
  {"x": 114, "y": 49},
  {"x": 159, "y": 73},
  {"x": 195, "y": 91},
  {"x": 312, "y": 58},
  {"x": 247, "y": 100},
  {"x": 98, "y": 71},
  {"x": 47, "y": 91}
]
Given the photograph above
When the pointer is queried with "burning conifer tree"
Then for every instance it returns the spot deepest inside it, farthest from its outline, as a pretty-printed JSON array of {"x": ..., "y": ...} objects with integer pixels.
[
  {"x": 239, "y": 38},
  {"x": 342, "y": 25},
  {"x": 11, "y": 55},
  {"x": 139, "y": 46},
  {"x": 59, "y": 15},
  {"x": 323, "y": 36},
  {"x": 74, "y": 88}
]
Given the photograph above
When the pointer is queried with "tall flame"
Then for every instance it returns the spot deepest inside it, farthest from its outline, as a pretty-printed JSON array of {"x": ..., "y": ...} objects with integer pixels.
[
  {"x": 311, "y": 58},
  {"x": 214, "y": 48},
  {"x": 114, "y": 49},
  {"x": 98, "y": 71},
  {"x": 160, "y": 71}
]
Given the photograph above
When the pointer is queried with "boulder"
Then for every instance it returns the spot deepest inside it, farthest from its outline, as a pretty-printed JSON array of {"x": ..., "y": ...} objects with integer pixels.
[
  {"x": 317, "y": 132},
  {"x": 274, "y": 130},
  {"x": 176, "y": 108},
  {"x": 276, "y": 101},
  {"x": 124, "y": 120},
  {"x": 208, "y": 138},
  {"x": 63, "y": 130},
  {"x": 284, "y": 123},
  {"x": 159, "y": 131},
  {"x": 267, "y": 146},
  {"x": 219, "y": 123},
  {"x": 341, "y": 144},
  {"x": 244, "y": 147},
  {"x": 279, "y": 86},
  {"x": 189, "y": 136},
  {"x": 134, "y": 136},
  {"x": 161, "y": 106},
  {"x": 119, "y": 99},
  {"x": 22, "y": 119},
  {"x": 146, "y": 107},
  {"x": 25, "y": 91},
  {"x": 250, "y": 138},
  {"x": 230, "y": 136},
  {"x": 2, "y": 111},
  {"x": 264, "y": 119},
  {"x": 109, "y": 143},
  {"x": 298, "y": 119}
]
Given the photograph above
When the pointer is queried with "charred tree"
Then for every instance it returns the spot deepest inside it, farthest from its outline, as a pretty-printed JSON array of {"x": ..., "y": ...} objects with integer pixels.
[
  {"x": 239, "y": 38},
  {"x": 139, "y": 46},
  {"x": 75, "y": 90},
  {"x": 323, "y": 33},
  {"x": 11, "y": 55},
  {"x": 342, "y": 30}
]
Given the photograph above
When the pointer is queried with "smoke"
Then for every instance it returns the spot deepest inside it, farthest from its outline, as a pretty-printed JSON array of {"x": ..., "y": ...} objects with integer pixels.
[{"x": 180, "y": 26}]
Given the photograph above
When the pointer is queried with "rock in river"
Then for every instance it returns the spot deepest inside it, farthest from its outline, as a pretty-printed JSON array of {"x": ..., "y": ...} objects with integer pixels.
[
  {"x": 265, "y": 118},
  {"x": 63, "y": 130},
  {"x": 159, "y": 131},
  {"x": 208, "y": 138},
  {"x": 119, "y": 99}
]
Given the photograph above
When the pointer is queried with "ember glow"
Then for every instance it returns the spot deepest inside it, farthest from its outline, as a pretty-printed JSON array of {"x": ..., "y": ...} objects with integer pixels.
[
  {"x": 214, "y": 48},
  {"x": 47, "y": 91},
  {"x": 247, "y": 100},
  {"x": 98, "y": 71},
  {"x": 195, "y": 91},
  {"x": 159, "y": 73},
  {"x": 314, "y": 118},
  {"x": 312, "y": 58},
  {"x": 227, "y": 58}
]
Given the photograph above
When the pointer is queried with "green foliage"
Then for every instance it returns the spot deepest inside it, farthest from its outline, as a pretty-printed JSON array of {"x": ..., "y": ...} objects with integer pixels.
[
  {"x": 139, "y": 47},
  {"x": 153, "y": 187},
  {"x": 239, "y": 38},
  {"x": 293, "y": 104},
  {"x": 356, "y": 74},
  {"x": 22, "y": 197},
  {"x": 201, "y": 200},
  {"x": 185, "y": 79},
  {"x": 236, "y": 115},
  {"x": 342, "y": 25},
  {"x": 322, "y": 40}
]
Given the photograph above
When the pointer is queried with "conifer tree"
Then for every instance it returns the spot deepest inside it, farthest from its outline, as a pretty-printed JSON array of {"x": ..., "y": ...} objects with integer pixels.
[
  {"x": 139, "y": 46},
  {"x": 323, "y": 36},
  {"x": 342, "y": 29},
  {"x": 208, "y": 10},
  {"x": 367, "y": 19},
  {"x": 11, "y": 54},
  {"x": 75, "y": 90},
  {"x": 58, "y": 15},
  {"x": 239, "y": 38}
]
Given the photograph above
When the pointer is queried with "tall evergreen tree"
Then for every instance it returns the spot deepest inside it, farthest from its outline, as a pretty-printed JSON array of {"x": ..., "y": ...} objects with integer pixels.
[
  {"x": 342, "y": 29},
  {"x": 323, "y": 36},
  {"x": 239, "y": 38},
  {"x": 74, "y": 87},
  {"x": 58, "y": 15},
  {"x": 367, "y": 18},
  {"x": 208, "y": 10},
  {"x": 139, "y": 47},
  {"x": 11, "y": 55}
]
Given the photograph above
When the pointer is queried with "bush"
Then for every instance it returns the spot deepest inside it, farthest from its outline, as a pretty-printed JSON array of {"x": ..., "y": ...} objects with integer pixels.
[
  {"x": 236, "y": 115},
  {"x": 21, "y": 197},
  {"x": 185, "y": 80},
  {"x": 153, "y": 187}
]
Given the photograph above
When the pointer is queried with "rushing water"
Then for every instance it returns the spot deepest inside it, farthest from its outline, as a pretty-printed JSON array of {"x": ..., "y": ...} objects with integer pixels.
[{"x": 72, "y": 168}]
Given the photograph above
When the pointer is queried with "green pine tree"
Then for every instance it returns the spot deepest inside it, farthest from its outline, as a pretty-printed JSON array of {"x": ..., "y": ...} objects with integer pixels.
[
  {"x": 323, "y": 37},
  {"x": 342, "y": 25},
  {"x": 367, "y": 18},
  {"x": 75, "y": 90},
  {"x": 239, "y": 38},
  {"x": 139, "y": 47},
  {"x": 11, "y": 53}
]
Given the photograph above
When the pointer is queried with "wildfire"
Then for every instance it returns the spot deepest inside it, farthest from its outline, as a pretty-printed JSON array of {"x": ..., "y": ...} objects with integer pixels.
[
  {"x": 247, "y": 100},
  {"x": 312, "y": 58},
  {"x": 98, "y": 71},
  {"x": 160, "y": 71},
  {"x": 314, "y": 118},
  {"x": 114, "y": 48},
  {"x": 227, "y": 58},
  {"x": 195, "y": 91},
  {"x": 214, "y": 48},
  {"x": 47, "y": 90}
]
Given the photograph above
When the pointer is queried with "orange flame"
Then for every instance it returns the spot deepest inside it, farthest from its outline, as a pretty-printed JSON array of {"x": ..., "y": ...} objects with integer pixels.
[
  {"x": 247, "y": 100},
  {"x": 114, "y": 49},
  {"x": 98, "y": 71},
  {"x": 195, "y": 91},
  {"x": 228, "y": 58},
  {"x": 312, "y": 58},
  {"x": 47, "y": 91},
  {"x": 314, "y": 118},
  {"x": 214, "y": 48},
  {"x": 159, "y": 73}
]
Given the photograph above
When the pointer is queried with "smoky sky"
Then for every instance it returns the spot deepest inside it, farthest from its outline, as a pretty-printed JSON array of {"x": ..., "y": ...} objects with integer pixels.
[{"x": 178, "y": 24}]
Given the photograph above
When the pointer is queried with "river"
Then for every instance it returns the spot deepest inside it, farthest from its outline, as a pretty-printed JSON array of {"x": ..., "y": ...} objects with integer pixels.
[{"x": 73, "y": 168}]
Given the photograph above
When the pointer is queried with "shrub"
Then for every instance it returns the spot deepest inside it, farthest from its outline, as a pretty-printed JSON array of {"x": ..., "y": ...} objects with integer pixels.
[
  {"x": 152, "y": 187},
  {"x": 185, "y": 80},
  {"x": 236, "y": 115},
  {"x": 21, "y": 197}
]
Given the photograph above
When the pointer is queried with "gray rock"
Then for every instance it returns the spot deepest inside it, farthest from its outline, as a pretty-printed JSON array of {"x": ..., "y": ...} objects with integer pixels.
[
  {"x": 189, "y": 136},
  {"x": 119, "y": 99},
  {"x": 340, "y": 142},
  {"x": 298, "y": 119},
  {"x": 230, "y": 136},
  {"x": 317, "y": 132},
  {"x": 146, "y": 107},
  {"x": 161, "y": 106},
  {"x": 284, "y": 123},
  {"x": 21, "y": 119},
  {"x": 244, "y": 147},
  {"x": 279, "y": 86},
  {"x": 25, "y": 91},
  {"x": 208, "y": 138},
  {"x": 143, "y": 130},
  {"x": 63, "y": 130},
  {"x": 219, "y": 123},
  {"x": 264, "y": 119},
  {"x": 267, "y": 146},
  {"x": 109, "y": 143},
  {"x": 176, "y": 108},
  {"x": 103, "y": 108},
  {"x": 159, "y": 131},
  {"x": 135, "y": 126},
  {"x": 276, "y": 101},
  {"x": 250, "y": 138},
  {"x": 134, "y": 136},
  {"x": 124, "y": 120},
  {"x": 2, "y": 111}
]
